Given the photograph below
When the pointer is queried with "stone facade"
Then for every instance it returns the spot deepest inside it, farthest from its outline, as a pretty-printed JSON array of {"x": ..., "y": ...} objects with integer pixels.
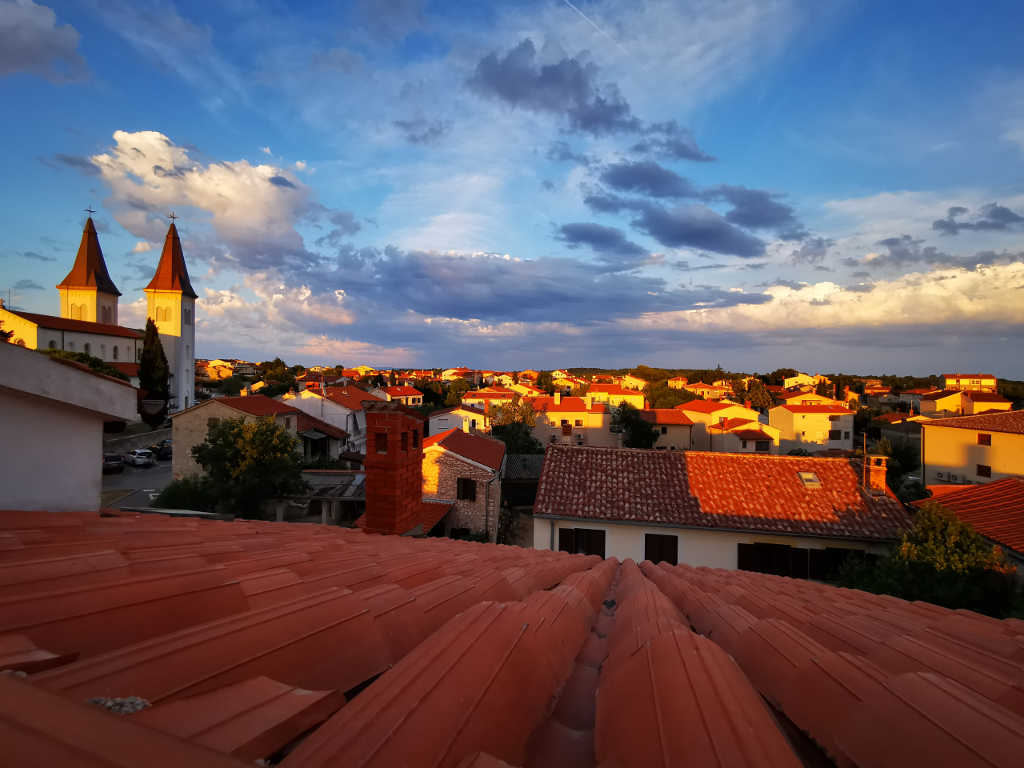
[{"x": 441, "y": 472}]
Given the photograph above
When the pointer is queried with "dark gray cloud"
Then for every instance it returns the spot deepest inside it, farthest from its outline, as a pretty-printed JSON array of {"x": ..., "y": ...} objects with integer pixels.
[
  {"x": 548, "y": 185},
  {"x": 35, "y": 256},
  {"x": 612, "y": 247},
  {"x": 76, "y": 162},
  {"x": 861, "y": 288},
  {"x": 812, "y": 251},
  {"x": 570, "y": 88},
  {"x": 344, "y": 224},
  {"x": 860, "y": 273},
  {"x": 905, "y": 252},
  {"x": 390, "y": 20},
  {"x": 281, "y": 181},
  {"x": 27, "y": 285},
  {"x": 34, "y": 43},
  {"x": 753, "y": 208},
  {"x": 696, "y": 226},
  {"x": 779, "y": 282},
  {"x": 603, "y": 202},
  {"x": 179, "y": 172},
  {"x": 422, "y": 131},
  {"x": 561, "y": 152},
  {"x": 648, "y": 178},
  {"x": 671, "y": 140},
  {"x": 991, "y": 217}
]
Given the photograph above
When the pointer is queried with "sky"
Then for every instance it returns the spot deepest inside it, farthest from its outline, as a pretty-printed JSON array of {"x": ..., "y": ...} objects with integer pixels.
[{"x": 830, "y": 186}]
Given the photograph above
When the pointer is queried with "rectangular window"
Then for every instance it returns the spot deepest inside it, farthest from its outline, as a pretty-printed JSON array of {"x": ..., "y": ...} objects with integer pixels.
[
  {"x": 581, "y": 541},
  {"x": 984, "y": 470},
  {"x": 835, "y": 434},
  {"x": 579, "y": 422},
  {"x": 763, "y": 445},
  {"x": 984, "y": 439},
  {"x": 743, "y": 443},
  {"x": 380, "y": 442},
  {"x": 465, "y": 489},
  {"x": 664, "y": 430},
  {"x": 565, "y": 422},
  {"x": 660, "y": 548},
  {"x": 833, "y": 418},
  {"x": 415, "y": 438},
  {"x": 405, "y": 441},
  {"x": 846, "y": 435}
]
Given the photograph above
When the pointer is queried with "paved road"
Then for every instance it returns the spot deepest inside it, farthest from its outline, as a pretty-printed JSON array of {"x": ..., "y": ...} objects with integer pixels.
[{"x": 147, "y": 482}]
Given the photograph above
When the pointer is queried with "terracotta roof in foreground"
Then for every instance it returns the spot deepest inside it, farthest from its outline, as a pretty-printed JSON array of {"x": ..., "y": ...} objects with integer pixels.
[
  {"x": 228, "y": 634},
  {"x": 995, "y": 421},
  {"x": 734, "y": 491},
  {"x": 995, "y": 510},
  {"x": 482, "y": 450}
]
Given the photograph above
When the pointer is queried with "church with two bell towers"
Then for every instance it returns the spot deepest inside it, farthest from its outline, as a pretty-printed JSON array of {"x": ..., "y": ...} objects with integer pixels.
[{"x": 88, "y": 320}]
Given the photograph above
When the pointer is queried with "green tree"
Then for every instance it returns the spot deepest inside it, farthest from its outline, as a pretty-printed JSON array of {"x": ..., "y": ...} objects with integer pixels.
[
  {"x": 661, "y": 395},
  {"x": 777, "y": 376},
  {"x": 824, "y": 389},
  {"x": 940, "y": 560},
  {"x": 153, "y": 374},
  {"x": 517, "y": 437},
  {"x": 5, "y": 336},
  {"x": 456, "y": 390},
  {"x": 248, "y": 463},
  {"x": 393, "y": 378},
  {"x": 94, "y": 363},
  {"x": 519, "y": 411},
  {"x": 759, "y": 397},
  {"x": 904, "y": 458},
  {"x": 637, "y": 432},
  {"x": 739, "y": 389},
  {"x": 545, "y": 382}
]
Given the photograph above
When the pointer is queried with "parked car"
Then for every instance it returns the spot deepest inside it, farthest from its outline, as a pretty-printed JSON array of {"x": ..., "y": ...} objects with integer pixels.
[
  {"x": 140, "y": 457},
  {"x": 162, "y": 449},
  {"x": 112, "y": 464}
]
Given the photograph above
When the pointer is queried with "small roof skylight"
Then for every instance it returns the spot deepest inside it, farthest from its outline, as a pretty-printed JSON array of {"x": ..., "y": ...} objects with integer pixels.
[{"x": 809, "y": 479}]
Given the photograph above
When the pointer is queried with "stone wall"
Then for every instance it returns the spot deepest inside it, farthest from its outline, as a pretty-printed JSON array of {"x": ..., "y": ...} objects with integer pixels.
[{"x": 441, "y": 471}]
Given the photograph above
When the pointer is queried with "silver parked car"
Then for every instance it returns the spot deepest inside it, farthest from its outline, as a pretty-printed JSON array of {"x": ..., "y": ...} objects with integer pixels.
[{"x": 140, "y": 457}]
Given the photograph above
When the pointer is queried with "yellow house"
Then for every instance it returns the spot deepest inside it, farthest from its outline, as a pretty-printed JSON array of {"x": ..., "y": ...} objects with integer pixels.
[
  {"x": 707, "y": 413},
  {"x": 708, "y": 391},
  {"x": 629, "y": 381},
  {"x": 980, "y": 402},
  {"x": 803, "y": 379},
  {"x": 572, "y": 421},
  {"x": 741, "y": 435},
  {"x": 975, "y": 382},
  {"x": 806, "y": 398},
  {"x": 972, "y": 449},
  {"x": 674, "y": 428},
  {"x": 813, "y": 427},
  {"x": 678, "y": 382},
  {"x": 614, "y": 395}
]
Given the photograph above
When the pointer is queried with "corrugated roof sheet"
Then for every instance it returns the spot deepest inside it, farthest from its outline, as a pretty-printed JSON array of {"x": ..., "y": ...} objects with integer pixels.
[
  {"x": 715, "y": 490},
  {"x": 598, "y": 661}
]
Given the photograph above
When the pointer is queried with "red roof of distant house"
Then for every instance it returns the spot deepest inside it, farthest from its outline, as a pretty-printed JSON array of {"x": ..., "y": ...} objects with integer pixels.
[
  {"x": 482, "y": 450},
  {"x": 256, "y": 405},
  {"x": 666, "y": 416},
  {"x": 483, "y": 394},
  {"x": 892, "y": 418},
  {"x": 704, "y": 406},
  {"x": 403, "y": 391},
  {"x": 946, "y": 488},
  {"x": 351, "y": 396},
  {"x": 82, "y": 326},
  {"x": 715, "y": 490},
  {"x": 89, "y": 269},
  {"x": 822, "y": 408},
  {"x": 730, "y": 424},
  {"x": 171, "y": 272},
  {"x": 918, "y": 391},
  {"x": 996, "y": 421},
  {"x": 995, "y": 510},
  {"x": 567, "y": 405},
  {"x": 305, "y": 422},
  {"x": 942, "y": 393},
  {"x": 612, "y": 389}
]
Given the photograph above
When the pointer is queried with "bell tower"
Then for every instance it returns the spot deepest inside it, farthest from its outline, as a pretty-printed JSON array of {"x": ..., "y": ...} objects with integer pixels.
[
  {"x": 88, "y": 293},
  {"x": 171, "y": 305}
]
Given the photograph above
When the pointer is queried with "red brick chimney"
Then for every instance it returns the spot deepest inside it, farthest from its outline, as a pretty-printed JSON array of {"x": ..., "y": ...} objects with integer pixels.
[
  {"x": 394, "y": 468},
  {"x": 876, "y": 473},
  {"x": 746, "y": 404}
]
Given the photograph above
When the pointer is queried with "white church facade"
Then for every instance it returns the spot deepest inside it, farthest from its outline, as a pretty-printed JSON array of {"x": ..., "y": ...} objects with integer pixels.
[{"x": 88, "y": 320}]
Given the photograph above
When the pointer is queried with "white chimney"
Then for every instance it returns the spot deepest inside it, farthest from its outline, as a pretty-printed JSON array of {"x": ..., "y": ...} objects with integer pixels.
[{"x": 558, "y": 398}]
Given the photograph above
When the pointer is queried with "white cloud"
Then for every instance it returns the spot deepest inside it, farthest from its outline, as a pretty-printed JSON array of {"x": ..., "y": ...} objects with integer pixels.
[
  {"x": 265, "y": 150},
  {"x": 33, "y": 42},
  {"x": 142, "y": 247},
  {"x": 324, "y": 349},
  {"x": 300, "y": 165}
]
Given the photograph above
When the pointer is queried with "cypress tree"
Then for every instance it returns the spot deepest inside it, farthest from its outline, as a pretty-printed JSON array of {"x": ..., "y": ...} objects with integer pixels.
[{"x": 153, "y": 373}]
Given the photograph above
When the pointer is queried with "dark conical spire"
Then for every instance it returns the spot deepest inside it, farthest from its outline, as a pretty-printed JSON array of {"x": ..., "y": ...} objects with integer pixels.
[
  {"x": 90, "y": 270},
  {"x": 171, "y": 272}
]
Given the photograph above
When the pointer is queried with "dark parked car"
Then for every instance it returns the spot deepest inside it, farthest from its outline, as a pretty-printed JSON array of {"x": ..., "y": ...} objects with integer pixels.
[
  {"x": 162, "y": 450},
  {"x": 112, "y": 464}
]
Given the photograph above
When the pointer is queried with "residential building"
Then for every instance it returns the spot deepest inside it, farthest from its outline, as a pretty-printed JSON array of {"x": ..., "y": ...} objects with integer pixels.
[
  {"x": 673, "y": 428},
  {"x": 53, "y": 413},
  {"x": 790, "y": 515},
  {"x": 813, "y": 427},
  {"x": 406, "y": 395},
  {"x": 465, "y": 417},
  {"x": 568, "y": 383},
  {"x": 342, "y": 412},
  {"x": 805, "y": 380},
  {"x": 615, "y": 395},
  {"x": 946, "y": 402},
  {"x": 709, "y": 391},
  {"x": 454, "y": 374},
  {"x": 912, "y": 397},
  {"x": 995, "y": 510},
  {"x": 743, "y": 435},
  {"x": 971, "y": 382},
  {"x": 629, "y": 381},
  {"x": 529, "y": 376},
  {"x": 973, "y": 449},
  {"x": 489, "y": 397},
  {"x": 463, "y": 470},
  {"x": 805, "y": 398},
  {"x": 353, "y": 401},
  {"x": 572, "y": 420},
  {"x": 678, "y": 382},
  {"x": 520, "y": 478},
  {"x": 707, "y": 413},
  {"x": 526, "y": 390},
  {"x": 317, "y": 438},
  {"x": 976, "y": 402},
  {"x": 503, "y": 379}
]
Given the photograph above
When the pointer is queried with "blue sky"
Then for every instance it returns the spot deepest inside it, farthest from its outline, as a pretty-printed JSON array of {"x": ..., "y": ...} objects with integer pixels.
[{"x": 829, "y": 186}]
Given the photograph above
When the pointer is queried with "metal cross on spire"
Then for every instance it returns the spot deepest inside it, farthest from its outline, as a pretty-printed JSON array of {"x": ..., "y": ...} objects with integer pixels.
[
  {"x": 171, "y": 216},
  {"x": 90, "y": 211}
]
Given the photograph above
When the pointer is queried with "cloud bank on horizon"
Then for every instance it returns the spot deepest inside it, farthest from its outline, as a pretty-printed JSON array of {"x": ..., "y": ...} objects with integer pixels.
[{"x": 412, "y": 183}]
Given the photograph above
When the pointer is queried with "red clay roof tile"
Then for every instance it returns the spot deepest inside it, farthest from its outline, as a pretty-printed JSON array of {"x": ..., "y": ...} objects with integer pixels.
[
  {"x": 995, "y": 510},
  {"x": 482, "y": 450}
]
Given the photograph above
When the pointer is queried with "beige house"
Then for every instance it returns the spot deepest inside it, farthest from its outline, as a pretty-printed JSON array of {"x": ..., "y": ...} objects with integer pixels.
[
  {"x": 974, "y": 382},
  {"x": 629, "y": 381},
  {"x": 805, "y": 398},
  {"x": 572, "y": 421},
  {"x": 709, "y": 391},
  {"x": 740, "y": 435},
  {"x": 615, "y": 395},
  {"x": 52, "y": 414},
  {"x": 674, "y": 428},
  {"x": 526, "y": 390},
  {"x": 972, "y": 449},
  {"x": 980, "y": 402},
  {"x": 464, "y": 417},
  {"x": 805, "y": 380},
  {"x": 317, "y": 439},
  {"x": 788, "y": 515},
  {"x": 707, "y": 413},
  {"x": 464, "y": 470},
  {"x": 488, "y": 397},
  {"x": 404, "y": 394},
  {"x": 813, "y": 427}
]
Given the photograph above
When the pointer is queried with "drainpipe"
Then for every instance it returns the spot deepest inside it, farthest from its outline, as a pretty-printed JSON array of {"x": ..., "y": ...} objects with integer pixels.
[{"x": 551, "y": 539}]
